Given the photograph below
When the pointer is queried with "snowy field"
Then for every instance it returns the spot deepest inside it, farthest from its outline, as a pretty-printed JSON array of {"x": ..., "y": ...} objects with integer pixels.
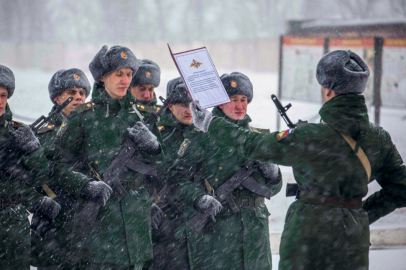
[{"x": 31, "y": 100}]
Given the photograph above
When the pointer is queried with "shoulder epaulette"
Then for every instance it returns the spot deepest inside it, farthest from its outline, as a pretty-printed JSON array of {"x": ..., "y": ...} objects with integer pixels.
[
  {"x": 260, "y": 130},
  {"x": 85, "y": 106},
  {"x": 158, "y": 107},
  {"x": 161, "y": 128},
  {"x": 46, "y": 128},
  {"x": 16, "y": 124},
  {"x": 145, "y": 108}
]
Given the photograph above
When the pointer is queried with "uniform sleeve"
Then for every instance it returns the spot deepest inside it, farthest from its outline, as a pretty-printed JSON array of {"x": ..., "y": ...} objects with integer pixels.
[
  {"x": 258, "y": 146},
  {"x": 70, "y": 157},
  {"x": 392, "y": 179},
  {"x": 38, "y": 164}
]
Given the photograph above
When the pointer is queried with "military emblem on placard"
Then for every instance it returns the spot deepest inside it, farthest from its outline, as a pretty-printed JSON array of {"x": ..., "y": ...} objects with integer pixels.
[
  {"x": 283, "y": 134},
  {"x": 76, "y": 76},
  {"x": 148, "y": 74},
  {"x": 195, "y": 64},
  {"x": 124, "y": 55},
  {"x": 234, "y": 84},
  {"x": 183, "y": 147}
]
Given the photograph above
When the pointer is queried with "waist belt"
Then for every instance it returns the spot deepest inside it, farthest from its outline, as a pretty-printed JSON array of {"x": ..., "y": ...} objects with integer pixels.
[
  {"x": 7, "y": 202},
  {"x": 312, "y": 198}
]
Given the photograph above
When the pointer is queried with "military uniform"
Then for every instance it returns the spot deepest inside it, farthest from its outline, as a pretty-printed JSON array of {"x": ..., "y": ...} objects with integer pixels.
[
  {"x": 326, "y": 228},
  {"x": 234, "y": 241},
  {"x": 176, "y": 189},
  {"x": 54, "y": 248},
  {"x": 15, "y": 197},
  {"x": 93, "y": 135}
]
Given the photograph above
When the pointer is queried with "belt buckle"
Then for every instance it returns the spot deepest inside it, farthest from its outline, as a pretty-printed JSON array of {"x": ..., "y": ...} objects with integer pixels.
[{"x": 245, "y": 202}]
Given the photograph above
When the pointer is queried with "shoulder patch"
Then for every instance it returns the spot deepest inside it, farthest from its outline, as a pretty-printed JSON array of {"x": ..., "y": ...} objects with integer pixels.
[
  {"x": 284, "y": 134},
  {"x": 85, "y": 106},
  {"x": 46, "y": 128},
  {"x": 63, "y": 128},
  {"x": 183, "y": 147}
]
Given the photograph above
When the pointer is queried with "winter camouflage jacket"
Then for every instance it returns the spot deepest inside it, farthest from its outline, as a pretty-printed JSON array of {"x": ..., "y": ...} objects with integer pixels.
[
  {"x": 177, "y": 190},
  {"x": 53, "y": 249},
  {"x": 16, "y": 197},
  {"x": 93, "y": 135},
  {"x": 234, "y": 241},
  {"x": 319, "y": 236}
]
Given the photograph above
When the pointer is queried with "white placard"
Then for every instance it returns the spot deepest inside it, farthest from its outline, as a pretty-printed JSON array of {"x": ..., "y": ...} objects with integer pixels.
[{"x": 201, "y": 78}]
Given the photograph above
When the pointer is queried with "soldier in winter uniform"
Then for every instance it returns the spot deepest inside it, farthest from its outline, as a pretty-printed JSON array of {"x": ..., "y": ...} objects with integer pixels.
[
  {"x": 239, "y": 239},
  {"x": 143, "y": 85},
  {"x": 327, "y": 227},
  {"x": 178, "y": 194},
  {"x": 24, "y": 169},
  {"x": 90, "y": 139},
  {"x": 52, "y": 250}
]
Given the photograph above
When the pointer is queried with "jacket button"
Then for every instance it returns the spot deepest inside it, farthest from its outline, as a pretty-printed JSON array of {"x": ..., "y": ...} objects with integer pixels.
[
  {"x": 216, "y": 179},
  {"x": 96, "y": 162},
  {"x": 220, "y": 168},
  {"x": 100, "y": 151}
]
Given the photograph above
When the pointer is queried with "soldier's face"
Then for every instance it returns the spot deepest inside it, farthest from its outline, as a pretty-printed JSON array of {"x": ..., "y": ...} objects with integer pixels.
[
  {"x": 79, "y": 97},
  {"x": 237, "y": 108},
  {"x": 182, "y": 112},
  {"x": 143, "y": 92},
  {"x": 3, "y": 100},
  {"x": 117, "y": 82}
]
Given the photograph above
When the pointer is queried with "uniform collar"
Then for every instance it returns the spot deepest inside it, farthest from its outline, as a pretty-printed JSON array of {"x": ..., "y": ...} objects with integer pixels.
[{"x": 101, "y": 97}]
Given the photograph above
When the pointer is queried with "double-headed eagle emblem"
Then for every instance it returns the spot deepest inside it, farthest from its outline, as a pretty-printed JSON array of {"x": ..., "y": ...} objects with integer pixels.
[{"x": 195, "y": 64}]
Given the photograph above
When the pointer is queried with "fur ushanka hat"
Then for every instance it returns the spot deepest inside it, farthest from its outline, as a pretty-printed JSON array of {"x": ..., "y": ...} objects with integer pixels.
[
  {"x": 7, "y": 80},
  {"x": 176, "y": 92},
  {"x": 108, "y": 60},
  {"x": 65, "y": 79},
  {"x": 237, "y": 83},
  {"x": 148, "y": 73},
  {"x": 344, "y": 72}
]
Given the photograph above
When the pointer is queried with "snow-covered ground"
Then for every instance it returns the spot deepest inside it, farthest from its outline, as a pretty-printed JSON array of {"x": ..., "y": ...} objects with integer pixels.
[{"x": 31, "y": 100}]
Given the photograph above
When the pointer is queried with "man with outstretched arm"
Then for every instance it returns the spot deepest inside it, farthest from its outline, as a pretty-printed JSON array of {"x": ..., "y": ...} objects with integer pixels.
[{"x": 327, "y": 227}]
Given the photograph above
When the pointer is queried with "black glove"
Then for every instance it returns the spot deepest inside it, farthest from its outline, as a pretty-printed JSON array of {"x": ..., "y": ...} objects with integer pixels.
[
  {"x": 25, "y": 140},
  {"x": 271, "y": 172},
  {"x": 207, "y": 202},
  {"x": 144, "y": 139},
  {"x": 96, "y": 191},
  {"x": 156, "y": 216}
]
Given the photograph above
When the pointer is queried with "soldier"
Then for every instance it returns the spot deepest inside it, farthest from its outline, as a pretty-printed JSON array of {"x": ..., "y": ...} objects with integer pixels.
[
  {"x": 90, "y": 139},
  {"x": 177, "y": 191},
  {"x": 327, "y": 227},
  {"x": 23, "y": 170},
  {"x": 239, "y": 239},
  {"x": 51, "y": 251},
  {"x": 143, "y": 85}
]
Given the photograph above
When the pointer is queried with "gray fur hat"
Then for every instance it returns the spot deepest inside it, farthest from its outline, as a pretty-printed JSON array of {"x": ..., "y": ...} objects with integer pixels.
[
  {"x": 176, "y": 92},
  {"x": 65, "y": 79},
  {"x": 344, "y": 72},
  {"x": 148, "y": 73},
  {"x": 7, "y": 80},
  {"x": 237, "y": 83},
  {"x": 108, "y": 60}
]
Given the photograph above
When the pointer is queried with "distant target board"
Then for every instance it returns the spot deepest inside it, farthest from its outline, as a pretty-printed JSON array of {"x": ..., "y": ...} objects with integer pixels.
[
  {"x": 365, "y": 49},
  {"x": 299, "y": 61},
  {"x": 393, "y": 86}
]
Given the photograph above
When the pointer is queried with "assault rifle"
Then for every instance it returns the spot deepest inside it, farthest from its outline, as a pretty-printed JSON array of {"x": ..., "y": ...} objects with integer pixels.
[
  {"x": 224, "y": 194},
  {"x": 282, "y": 111},
  {"x": 87, "y": 216},
  {"x": 291, "y": 189}
]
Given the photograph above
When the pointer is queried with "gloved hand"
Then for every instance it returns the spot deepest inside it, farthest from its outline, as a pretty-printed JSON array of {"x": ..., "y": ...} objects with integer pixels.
[
  {"x": 156, "y": 216},
  {"x": 271, "y": 172},
  {"x": 96, "y": 191},
  {"x": 207, "y": 202},
  {"x": 25, "y": 140},
  {"x": 201, "y": 117},
  {"x": 144, "y": 139},
  {"x": 46, "y": 208}
]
